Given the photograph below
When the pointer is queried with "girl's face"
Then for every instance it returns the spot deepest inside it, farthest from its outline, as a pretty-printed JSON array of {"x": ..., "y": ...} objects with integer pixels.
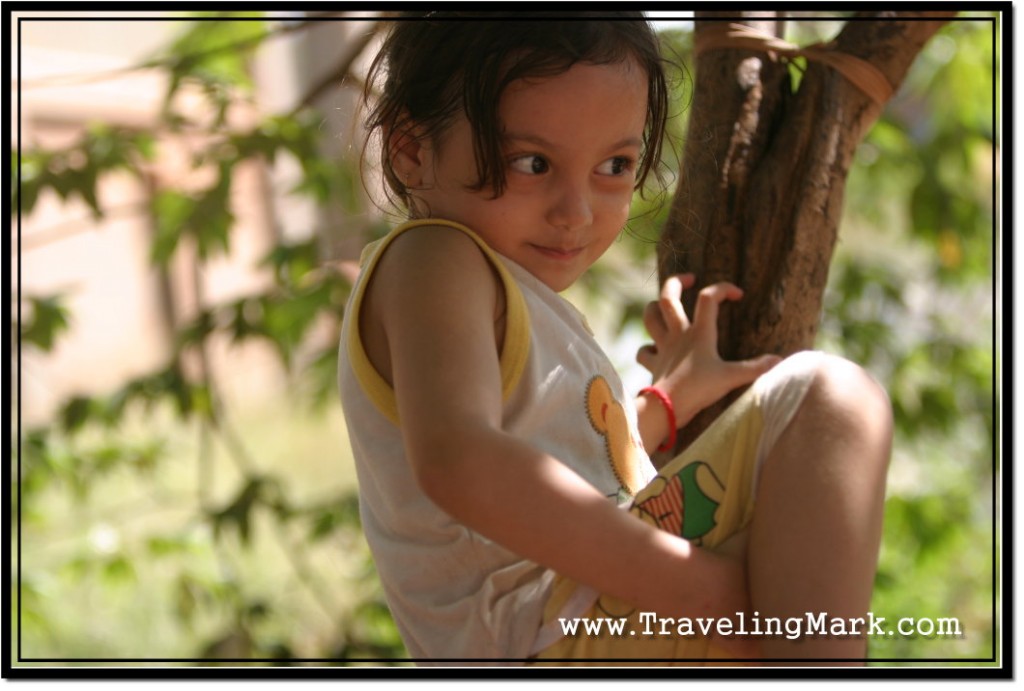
[{"x": 572, "y": 144}]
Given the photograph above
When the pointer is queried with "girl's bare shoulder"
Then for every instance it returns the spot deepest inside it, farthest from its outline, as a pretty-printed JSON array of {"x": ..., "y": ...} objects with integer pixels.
[
  {"x": 430, "y": 266},
  {"x": 431, "y": 248}
]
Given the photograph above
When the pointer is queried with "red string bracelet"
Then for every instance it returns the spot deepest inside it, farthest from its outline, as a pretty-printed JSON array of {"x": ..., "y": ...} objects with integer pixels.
[{"x": 669, "y": 410}]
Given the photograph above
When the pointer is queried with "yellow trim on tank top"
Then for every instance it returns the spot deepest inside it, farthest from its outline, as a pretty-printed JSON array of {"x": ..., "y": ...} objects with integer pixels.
[{"x": 515, "y": 349}]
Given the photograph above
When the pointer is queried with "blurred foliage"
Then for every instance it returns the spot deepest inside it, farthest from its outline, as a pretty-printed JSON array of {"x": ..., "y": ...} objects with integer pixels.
[
  {"x": 93, "y": 449},
  {"x": 45, "y": 321},
  {"x": 74, "y": 171},
  {"x": 910, "y": 297}
]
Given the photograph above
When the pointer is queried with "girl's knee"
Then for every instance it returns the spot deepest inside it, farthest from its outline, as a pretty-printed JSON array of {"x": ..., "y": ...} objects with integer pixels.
[
  {"x": 850, "y": 397},
  {"x": 849, "y": 385},
  {"x": 830, "y": 395},
  {"x": 820, "y": 406},
  {"x": 840, "y": 433},
  {"x": 829, "y": 380}
]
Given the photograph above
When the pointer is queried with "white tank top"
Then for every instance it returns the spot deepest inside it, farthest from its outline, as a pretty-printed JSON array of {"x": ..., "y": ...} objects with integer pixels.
[{"x": 454, "y": 594}]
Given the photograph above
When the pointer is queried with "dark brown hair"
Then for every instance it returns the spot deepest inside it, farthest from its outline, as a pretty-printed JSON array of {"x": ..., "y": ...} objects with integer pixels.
[{"x": 434, "y": 66}]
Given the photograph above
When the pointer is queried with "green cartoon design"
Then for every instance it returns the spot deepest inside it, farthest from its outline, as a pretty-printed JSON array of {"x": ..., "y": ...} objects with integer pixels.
[
  {"x": 683, "y": 504},
  {"x": 687, "y": 502}
]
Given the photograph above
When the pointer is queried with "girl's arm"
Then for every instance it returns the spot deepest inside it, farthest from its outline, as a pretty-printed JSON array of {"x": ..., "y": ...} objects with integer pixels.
[
  {"x": 684, "y": 360},
  {"x": 435, "y": 296}
]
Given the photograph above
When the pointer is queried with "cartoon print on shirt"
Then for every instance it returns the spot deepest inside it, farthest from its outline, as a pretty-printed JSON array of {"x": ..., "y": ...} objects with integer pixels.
[
  {"x": 608, "y": 418},
  {"x": 683, "y": 504},
  {"x": 686, "y": 503}
]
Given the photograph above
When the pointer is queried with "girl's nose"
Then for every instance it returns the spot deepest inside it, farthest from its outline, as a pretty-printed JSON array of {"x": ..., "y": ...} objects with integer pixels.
[{"x": 571, "y": 206}]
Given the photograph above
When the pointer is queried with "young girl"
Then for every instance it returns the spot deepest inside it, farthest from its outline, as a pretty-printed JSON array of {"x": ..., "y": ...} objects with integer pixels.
[{"x": 495, "y": 447}]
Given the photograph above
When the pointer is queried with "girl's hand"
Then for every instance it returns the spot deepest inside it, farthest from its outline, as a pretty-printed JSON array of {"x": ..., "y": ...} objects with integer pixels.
[{"x": 684, "y": 360}]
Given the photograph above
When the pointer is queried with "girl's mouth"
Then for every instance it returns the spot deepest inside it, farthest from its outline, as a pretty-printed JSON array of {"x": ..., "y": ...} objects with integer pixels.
[{"x": 558, "y": 253}]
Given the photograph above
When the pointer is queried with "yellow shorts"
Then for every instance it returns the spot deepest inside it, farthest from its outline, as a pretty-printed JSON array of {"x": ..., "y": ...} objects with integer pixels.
[{"x": 706, "y": 495}]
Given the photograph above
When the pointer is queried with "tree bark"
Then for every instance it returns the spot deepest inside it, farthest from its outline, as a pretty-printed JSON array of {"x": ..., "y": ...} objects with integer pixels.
[{"x": 764, "y": 169}]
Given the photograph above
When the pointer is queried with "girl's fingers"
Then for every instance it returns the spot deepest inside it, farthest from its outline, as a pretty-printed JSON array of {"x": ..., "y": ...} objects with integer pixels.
[
  {"x": 645, "y": 357},
  {"x": 654, "y": 322},
  {"x": 705, "y": 315},
  {"x": 670, "y": 300},
  {"x": 745, "y": 371}
]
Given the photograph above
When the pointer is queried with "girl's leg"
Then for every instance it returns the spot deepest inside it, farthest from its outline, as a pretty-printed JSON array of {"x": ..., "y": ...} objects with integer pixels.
[{"x": 816, "y": 526}]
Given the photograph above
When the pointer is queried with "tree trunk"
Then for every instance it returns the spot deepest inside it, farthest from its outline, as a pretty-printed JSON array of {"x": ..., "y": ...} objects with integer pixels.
[{"x": 764, "y": 168}]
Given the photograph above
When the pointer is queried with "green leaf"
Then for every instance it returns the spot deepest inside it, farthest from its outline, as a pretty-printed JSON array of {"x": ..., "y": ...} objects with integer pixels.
[
  {"x": 168, "y": 545},
  {"x": 372, "y": 632},
  {"x": 76, "y": 170},
  {"x": 33, "y": 166},
  {"x": 320, "y": 378},
  {"x": 196, "y": 333},
  {"x": 291, "y": 262},
  {"x": 168, "y": 383},
  {"x": 246, "y": 319},
  {"x": 172, "y": 210},
  {"x": 288, "y": 318},
  {"x": 75, "y": 413},
  {"x": 188, "y": 594},
  {"x": 342, "y": 514},
  {"x": 119, "y": 571},
  {"x": 237, "y": 515},
  {"x": 49, "y": 319},
  {"x": 796, "y": 67},
  {"x": 211, "y": 218},
  {"x": 214, "y": 54}
]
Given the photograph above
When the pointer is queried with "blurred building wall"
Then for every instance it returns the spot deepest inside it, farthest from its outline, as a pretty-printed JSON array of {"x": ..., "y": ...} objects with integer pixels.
[{"x": 78, "y": 71}]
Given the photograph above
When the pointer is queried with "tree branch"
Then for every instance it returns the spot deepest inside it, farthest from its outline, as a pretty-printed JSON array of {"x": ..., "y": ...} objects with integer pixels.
[
  {"x": 344, "y": 66},
  {"x": 764, "y": 172}
]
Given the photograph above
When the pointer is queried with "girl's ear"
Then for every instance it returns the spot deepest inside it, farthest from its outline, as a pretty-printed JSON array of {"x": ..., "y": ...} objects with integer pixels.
[{"x": 410, "y": 153}]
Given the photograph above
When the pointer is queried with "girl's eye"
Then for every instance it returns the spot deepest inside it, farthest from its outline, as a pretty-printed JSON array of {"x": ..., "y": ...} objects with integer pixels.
[
  {"x": 616, "y": 166},
  {"x": 530, "y": 165}
]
